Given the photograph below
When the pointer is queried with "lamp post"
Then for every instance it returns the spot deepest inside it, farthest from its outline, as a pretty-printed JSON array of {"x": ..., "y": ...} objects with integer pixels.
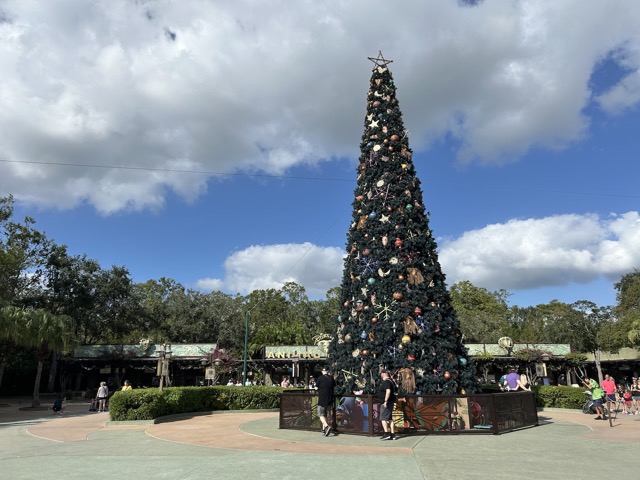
[{"x": 164, "y": 355}]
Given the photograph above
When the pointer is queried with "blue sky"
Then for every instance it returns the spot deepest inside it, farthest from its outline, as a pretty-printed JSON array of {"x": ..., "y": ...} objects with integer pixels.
[{"x": 239, "y": 125}]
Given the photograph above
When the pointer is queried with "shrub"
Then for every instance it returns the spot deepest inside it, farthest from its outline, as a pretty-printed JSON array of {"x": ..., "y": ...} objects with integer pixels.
[
  {"x": 147, "y": 404},
  {"x": 559, "y": 397}
]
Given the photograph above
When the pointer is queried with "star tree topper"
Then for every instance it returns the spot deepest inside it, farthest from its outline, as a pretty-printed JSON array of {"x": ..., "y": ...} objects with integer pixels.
[{"x": 380, "y": 61}]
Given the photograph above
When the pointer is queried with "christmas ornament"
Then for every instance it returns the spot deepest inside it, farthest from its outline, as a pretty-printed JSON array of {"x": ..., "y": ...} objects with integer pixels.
[
  {"x": 411, "y": 358},
  {"x": 408, "y": 380},
  {"x": 374, "y": 320},
  {"x": 463, "y": 361},
  {"x": 447, "y": 375},
  {"x": 383, "y": 273},
  {"x": 398, "y": 295},
  {"x": 410, "y": 326},
  {"x": 406, "y": 339},
  {"x": 371, "y": 281},
  {"x": 398, "y": 242},
  {"x": 414, "y": 276}
]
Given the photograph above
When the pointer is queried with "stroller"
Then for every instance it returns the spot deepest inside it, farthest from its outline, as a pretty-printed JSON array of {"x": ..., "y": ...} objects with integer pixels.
[
  {"x": 588, "y": 405},
  {"x": 95, "y": 403}
]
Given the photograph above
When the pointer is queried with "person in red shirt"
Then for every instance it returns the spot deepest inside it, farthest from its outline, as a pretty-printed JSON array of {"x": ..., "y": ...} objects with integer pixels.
[{"x": 609, "y": 387}]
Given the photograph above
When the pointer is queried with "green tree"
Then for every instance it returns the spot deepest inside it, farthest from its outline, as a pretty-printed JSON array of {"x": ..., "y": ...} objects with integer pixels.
[
  {"x": 628, "y": 306},
  {"x": 177, "y": 314},
  {"x": 396, "y": 311},
  {"x": 484, "y": 315},
  {"x": 272, "y": 321},
  {"x": 41, "y": 332},
  {"x": 23, "y": 255},
  {"x": 10, "y": 318},
  {"x": 592, "y": 329}
]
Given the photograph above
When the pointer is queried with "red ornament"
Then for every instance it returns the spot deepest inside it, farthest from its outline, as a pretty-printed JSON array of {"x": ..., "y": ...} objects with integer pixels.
[
  {"x": 366, "y": 252},
  {"x": 398, "y": 242},
  {"x": 374, "y": 320},
  {"x": 417, "y": 311},
  {"x": 364, "y": 352},
  {"x": 411, "y": 358},
  {"x": 447, "y": 375}
]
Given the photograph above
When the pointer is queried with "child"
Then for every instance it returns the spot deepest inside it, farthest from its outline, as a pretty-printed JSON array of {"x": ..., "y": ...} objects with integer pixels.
[
  {"x": 58, "y": 405},
  {"x": 627, "y": 402}
]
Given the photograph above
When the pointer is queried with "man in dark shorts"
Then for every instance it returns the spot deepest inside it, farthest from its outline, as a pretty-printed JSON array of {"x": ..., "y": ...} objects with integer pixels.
[
  {"x": 597, "y": 395},
  {"x": 325, "y": 385},
  {"x": 387, "y": 397}
]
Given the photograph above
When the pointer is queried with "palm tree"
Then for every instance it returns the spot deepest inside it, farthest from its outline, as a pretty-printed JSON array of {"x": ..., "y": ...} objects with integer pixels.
[
  {"x": 38, "y": 330},
  {"x": 9, "y": 322},
  {"x": 47, "y": 333}
]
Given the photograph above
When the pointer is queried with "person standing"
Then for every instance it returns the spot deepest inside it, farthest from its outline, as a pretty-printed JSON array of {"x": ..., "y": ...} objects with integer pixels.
[
  {"x": 103, "y": 394},
  {"x": 387, "y": 397},
  {"x": 635, "y": 394},
  {"x": 325, "y": 385},
  {"x": 609, "y": 387},
  {"x": 596, "y": 395}
]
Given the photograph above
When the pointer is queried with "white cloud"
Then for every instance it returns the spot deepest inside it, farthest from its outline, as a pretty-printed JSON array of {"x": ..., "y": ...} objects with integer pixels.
[
  {"x": 263, "y": 86},
  {"x": 520, "y": 254},
  {"x": 533, "y": 253},
  {"x": 263, "y": 267},
  {"x": 209, "y": 284}
]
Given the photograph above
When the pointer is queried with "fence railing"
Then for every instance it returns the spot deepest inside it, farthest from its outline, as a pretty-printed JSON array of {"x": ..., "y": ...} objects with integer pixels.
[{"x": 414, "y": 414}]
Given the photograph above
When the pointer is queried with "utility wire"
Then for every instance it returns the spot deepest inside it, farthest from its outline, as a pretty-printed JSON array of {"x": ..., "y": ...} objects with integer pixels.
[{"x": 292, "y": 177}]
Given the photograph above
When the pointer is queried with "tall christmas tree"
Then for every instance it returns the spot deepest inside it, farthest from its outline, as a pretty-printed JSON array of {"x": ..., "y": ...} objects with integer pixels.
[{"x": 396, "y": 310}]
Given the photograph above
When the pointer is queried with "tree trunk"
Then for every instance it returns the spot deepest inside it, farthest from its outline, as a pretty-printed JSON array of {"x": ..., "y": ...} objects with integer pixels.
[
  {"x": 596, "y": 356},
  {"x": 51, "y": 385},
  {"x": 36, "y": 387},
  {"x": 3, "y": 364}
]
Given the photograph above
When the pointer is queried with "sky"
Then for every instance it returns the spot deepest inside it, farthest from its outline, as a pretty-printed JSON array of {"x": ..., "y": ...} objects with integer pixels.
[{"x": 216, "y": 143}]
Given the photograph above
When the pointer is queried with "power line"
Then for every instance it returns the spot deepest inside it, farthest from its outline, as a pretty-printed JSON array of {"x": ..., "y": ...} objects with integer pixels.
[
  {"x": 175, "y": 170},
  {"x": 293, "y": 177}
]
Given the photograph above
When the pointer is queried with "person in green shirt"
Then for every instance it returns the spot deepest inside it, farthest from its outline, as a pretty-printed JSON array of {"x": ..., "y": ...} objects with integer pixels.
[{"x": 596, "y": 395}]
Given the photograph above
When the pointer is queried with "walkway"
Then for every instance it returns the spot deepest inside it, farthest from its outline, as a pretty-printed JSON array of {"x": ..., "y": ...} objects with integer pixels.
[{"x": 80, "y": 444}]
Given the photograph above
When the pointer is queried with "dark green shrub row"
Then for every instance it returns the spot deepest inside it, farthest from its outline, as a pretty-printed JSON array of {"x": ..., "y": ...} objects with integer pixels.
[
  {"x": 147, "y": 404},
  {"x": 559, "y": 397}
]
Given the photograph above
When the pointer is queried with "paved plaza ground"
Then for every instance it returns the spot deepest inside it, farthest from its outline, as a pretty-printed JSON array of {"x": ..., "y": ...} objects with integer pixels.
[{"x": 86, "y": 445}]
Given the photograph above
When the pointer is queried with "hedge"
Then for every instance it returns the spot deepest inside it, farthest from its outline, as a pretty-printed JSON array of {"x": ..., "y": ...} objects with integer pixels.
[
  {"x": 147, "y": 404},
  {"x": 559, "y": 397}
]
